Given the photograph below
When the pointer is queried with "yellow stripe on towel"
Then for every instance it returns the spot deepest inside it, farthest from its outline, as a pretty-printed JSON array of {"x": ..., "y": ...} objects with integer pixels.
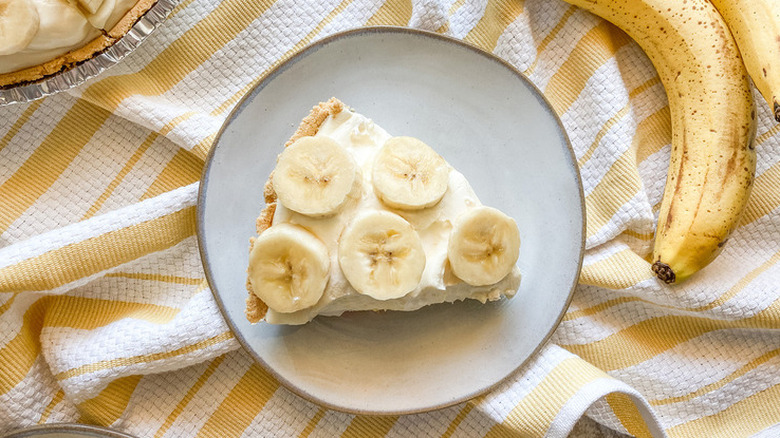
[
  {"x": 82, "y": 259},
  {"x": 546, "y": 399}
]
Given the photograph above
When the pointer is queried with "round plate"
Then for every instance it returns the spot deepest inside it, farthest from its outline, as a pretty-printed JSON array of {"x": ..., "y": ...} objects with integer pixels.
[
  {"x": 485, "y": 119},
  {"x": 66, "y": 430}
]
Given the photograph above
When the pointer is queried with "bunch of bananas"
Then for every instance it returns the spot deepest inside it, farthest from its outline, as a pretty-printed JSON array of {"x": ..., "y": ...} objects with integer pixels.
[{"x": 703, "y": 51}]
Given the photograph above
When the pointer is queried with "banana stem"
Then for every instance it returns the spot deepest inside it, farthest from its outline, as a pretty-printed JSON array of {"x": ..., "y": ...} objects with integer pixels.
[
  {"x": 777, "y": 111},
  {"x": 664, "y": 272}
]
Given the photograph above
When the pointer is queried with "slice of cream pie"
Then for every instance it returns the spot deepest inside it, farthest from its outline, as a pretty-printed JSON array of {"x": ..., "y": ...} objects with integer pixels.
[
  {"x": 356, "y": 219},
  {"x": 39, "y": 38}
]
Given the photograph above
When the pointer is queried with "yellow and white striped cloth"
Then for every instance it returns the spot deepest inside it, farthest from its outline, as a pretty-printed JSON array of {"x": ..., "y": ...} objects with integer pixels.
[{"x": 105, "y": 316}]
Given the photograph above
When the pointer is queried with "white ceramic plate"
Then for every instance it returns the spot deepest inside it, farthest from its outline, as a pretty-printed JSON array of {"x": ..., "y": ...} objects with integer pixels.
[
  {"x": 492, "y": 125},
  {"x": 66, "y": 430}
]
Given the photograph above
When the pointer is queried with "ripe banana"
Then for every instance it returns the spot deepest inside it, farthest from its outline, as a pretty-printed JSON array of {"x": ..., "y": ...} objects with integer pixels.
[
  {"x": 19, "y": 23},
  {"x": 713, "y": 125},
  {"x": 484, "y": 246},
  {"x": 755, "y": 25},
  {"x": 314, "y": 176},
  {"x": 409, "y": 175},
  {"x": 381, "y": 255},
  {"x": 288, "y": 268}
]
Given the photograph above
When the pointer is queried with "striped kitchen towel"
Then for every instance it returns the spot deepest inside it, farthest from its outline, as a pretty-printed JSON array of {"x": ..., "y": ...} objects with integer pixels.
[{"x": 105, "y": 316}]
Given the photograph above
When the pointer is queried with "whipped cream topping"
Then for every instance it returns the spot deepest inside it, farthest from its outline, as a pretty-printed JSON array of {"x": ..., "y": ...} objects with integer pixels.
[
  {"x": 63, "y": 27},
  {"x": 362, "y": 138},
  {"x": 109, "y": 13}
]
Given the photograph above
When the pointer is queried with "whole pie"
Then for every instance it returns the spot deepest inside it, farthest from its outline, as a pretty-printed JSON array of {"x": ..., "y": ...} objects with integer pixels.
[
  {"x": 356, "y": 219},
  {"x": 39, "y": 38}
]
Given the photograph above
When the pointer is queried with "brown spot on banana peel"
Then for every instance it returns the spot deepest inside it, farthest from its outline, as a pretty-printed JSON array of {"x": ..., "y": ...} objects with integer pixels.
[
  {"x": 678, "y": 182},
  {"x": 737, "y": 157},
  {"x": 701, "y": 198},
  {"x": 731, "y": 165}
]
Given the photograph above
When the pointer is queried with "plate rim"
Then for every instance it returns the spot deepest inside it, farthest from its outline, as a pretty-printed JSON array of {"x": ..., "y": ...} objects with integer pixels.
[
  {"x": 31, "y": 432},
  {"x": 279, "y": 68}
]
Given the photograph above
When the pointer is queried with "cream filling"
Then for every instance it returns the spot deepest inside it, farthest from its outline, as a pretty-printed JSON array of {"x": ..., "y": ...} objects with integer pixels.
[
  {"x": 363, "y": 138},
  {"x": 63, "y": 28},
  {"x": 109, "y": 13}
]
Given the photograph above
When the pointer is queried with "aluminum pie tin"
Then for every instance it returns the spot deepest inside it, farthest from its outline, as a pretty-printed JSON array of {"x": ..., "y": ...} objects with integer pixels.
[{"x": 94, "y": 66}]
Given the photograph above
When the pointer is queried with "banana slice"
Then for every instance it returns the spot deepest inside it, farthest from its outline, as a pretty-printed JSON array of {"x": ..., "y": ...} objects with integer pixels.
[
  {"x": 409, "y": 175},
  {"x": 381, "y": 255},
  {"x": 288, "y": 268},
  {"x": 103, "y": 12},
  {"x": 314, "y": 175},
  {"x": 91, "y": 6},
  {"x": 19, "y": 23},
  {"x": 484, "y": 246}
]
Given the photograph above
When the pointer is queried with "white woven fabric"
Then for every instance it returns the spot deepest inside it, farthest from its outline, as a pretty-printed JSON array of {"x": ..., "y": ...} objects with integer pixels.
[{"x": 105, "y": 316}]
